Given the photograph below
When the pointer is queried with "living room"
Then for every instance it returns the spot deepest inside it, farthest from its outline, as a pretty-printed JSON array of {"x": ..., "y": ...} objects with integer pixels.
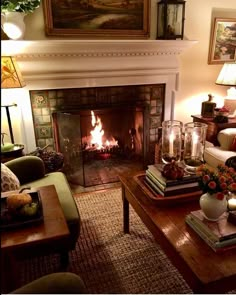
[{"x": 49, "y": 64}]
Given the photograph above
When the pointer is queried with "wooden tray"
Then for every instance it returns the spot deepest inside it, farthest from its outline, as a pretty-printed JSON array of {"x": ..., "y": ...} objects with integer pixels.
[
  {"x": 9, "y": 222},
  {"x": 165, "y": 201}
]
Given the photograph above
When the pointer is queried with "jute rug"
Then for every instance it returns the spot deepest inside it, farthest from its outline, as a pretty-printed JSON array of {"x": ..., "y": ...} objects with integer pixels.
[{"x": 108, "y": 260}]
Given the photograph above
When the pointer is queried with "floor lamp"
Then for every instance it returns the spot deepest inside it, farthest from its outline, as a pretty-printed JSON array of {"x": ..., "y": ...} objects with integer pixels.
[{"x": 10, "y": 78}]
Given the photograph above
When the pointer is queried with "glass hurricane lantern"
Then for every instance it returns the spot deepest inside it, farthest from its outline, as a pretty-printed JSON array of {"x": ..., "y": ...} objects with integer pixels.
[
  {"x": 171, "y": 141},
  {"x": 194, "y": 144}
]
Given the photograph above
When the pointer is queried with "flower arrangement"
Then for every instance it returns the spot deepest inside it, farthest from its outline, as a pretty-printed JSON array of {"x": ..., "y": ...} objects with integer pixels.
[
  {"x": 219, "y": 182},
  {"x": 26, "y": 6}
]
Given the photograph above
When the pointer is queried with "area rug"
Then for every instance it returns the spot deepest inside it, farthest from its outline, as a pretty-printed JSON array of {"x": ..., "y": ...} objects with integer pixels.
[{"x": 109, "y": 261}]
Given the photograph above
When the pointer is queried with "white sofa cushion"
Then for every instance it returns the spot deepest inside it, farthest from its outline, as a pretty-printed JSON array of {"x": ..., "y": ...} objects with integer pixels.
[
  {"x": 216, "y": 155},
  {"x": 226, "y": 137}
]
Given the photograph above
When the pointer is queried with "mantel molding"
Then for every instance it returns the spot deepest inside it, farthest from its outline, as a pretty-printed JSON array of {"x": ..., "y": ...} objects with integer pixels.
[
  {"x": 50, "y": 64},
  {"x": 94, "y": 48}
]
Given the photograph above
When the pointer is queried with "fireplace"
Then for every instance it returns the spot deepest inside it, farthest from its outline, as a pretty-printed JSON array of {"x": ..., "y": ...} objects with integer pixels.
[
  {"x": 61, "y": 73},
  {"x": 130, "y": 117}
]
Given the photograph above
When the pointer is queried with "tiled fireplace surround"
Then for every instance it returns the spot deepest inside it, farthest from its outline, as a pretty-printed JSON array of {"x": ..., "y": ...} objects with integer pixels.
[{"x": 66, "y": 72}]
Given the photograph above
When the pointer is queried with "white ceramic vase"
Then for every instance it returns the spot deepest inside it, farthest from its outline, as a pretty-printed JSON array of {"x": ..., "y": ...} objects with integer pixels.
[
  {"x": 13, "y": 24},
  {"x": 212, "y": 207}
]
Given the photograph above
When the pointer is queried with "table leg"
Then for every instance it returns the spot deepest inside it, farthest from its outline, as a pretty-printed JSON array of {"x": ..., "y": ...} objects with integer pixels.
[{"x": 125, "y": 212}]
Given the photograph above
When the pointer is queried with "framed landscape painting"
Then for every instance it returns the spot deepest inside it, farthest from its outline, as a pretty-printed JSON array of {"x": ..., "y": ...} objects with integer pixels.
[
  {"x": 106, "y": 19},
  {"x": 222, "y": 41}
]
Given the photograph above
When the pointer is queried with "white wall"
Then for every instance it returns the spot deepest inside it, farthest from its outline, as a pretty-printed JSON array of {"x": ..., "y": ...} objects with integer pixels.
[{"x": 197, "y": 78}]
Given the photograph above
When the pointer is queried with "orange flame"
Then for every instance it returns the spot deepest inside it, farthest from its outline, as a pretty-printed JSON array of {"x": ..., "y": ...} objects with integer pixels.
[{"x": 97, "y": 134}]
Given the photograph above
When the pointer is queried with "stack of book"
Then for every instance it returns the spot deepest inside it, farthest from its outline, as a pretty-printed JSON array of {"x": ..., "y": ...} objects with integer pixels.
[
  {"x": 220, "y": 235},
  {"x": 165, "y": 187}
]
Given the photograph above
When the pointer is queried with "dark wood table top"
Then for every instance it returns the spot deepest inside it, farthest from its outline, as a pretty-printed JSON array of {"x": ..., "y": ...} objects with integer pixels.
[{"x": 203, "y": 269}]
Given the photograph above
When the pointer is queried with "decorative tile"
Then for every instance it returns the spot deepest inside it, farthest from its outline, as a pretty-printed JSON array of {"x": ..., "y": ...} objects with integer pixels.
[
  {"x": 52, "y": 94},
  {"x": 45, "y": 111},
  {"x": 37, "y": 112},
  {"x": 44, "y": 131},
  {"x": 40, "y": 100}
]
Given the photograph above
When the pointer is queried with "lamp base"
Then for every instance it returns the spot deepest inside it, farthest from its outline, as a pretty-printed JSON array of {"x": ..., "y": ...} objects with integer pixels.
[{"x": 230, "y": 104}]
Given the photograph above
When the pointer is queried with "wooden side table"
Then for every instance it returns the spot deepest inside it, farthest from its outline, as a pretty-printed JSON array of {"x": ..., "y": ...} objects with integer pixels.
[
  {"x": 50, "y": 236},
  {"x": 214, "y": 128}
]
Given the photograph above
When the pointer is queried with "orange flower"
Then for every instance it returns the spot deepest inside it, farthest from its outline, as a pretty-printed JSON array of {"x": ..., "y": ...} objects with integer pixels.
[{"x": 220, "y": 181}]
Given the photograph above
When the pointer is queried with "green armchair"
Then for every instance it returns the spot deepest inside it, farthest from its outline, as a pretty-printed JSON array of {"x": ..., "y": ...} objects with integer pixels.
[
  {"x": 55, "y": 283},
  {"x": 30, "y": 171}
]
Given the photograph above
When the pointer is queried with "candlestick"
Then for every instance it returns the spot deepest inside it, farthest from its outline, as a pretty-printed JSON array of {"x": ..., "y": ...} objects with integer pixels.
[
  {"x": 194, "y": 145},
  {"x": 171, "y": 144},
  {"x": 232, "y": 204}
]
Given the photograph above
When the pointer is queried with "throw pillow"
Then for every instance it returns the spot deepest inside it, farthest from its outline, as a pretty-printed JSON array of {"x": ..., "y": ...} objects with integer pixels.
[
  {"x": 233, "y": 145},
  {"x": 9, "y": 181}
]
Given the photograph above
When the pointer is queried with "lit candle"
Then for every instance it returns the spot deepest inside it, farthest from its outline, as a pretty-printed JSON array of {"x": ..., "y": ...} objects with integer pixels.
[
  {"x": 232, "y": 204},
  {"x": 171, "y": 144},
  {"x": 194, "y": 144}
]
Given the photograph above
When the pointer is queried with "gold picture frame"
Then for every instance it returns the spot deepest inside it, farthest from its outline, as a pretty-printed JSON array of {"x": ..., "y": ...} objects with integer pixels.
[
  {"x": 222, "y": 47},
  {"x": 107, "y": 19}
]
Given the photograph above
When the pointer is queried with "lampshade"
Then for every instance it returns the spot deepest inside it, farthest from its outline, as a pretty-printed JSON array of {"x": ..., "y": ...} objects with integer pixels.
[
  {"x": 227, "y": 75},
  {"x": 10, "y": 74}
]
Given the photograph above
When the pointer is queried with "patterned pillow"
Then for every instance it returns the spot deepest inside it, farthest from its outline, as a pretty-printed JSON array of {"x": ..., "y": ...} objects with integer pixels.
[{"x": 9, "y": 181}]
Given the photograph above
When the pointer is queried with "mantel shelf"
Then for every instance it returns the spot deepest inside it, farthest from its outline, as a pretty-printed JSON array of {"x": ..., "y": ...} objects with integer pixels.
[{"x": 23, "y": 49}]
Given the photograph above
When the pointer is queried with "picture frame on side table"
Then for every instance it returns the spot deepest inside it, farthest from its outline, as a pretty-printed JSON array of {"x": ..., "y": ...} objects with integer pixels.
[
  {"x": 105, "y": 19},
  {"x": 222, "y": 47}
]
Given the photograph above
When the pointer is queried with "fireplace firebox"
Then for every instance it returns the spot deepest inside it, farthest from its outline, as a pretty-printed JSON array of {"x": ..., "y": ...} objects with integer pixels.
[{"x": 98, "y": 144}]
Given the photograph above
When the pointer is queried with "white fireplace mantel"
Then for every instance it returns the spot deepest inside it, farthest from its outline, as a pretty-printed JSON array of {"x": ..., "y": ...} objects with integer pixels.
[
  {"x": 61, "y": 64},
  {"x": 49, "y": 64}
]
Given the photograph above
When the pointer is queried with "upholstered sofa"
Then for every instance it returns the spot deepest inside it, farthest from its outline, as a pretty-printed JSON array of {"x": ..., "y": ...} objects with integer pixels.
[
  {"x": 30, "y": 171},
  {"x": 215, "y": 155}
]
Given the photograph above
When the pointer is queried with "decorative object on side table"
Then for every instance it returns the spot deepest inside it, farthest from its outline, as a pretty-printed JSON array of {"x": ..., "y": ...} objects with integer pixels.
[
  {"x": 170, "y": 16},
  {"x": 221, "y": 115},
  {"x": 227, "y": 77},
  {"x": 171, "y": 141},
  {"x": 208, "y": 107},
  {"x": 194, "y": 143},
  {"x": 216, "y": 185}
]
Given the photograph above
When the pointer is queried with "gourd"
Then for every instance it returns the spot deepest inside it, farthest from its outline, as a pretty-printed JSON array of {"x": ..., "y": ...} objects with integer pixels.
[{"x": 172, "y": 171}]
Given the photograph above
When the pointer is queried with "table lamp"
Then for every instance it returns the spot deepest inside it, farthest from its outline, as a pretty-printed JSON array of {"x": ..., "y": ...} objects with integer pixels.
[
  {"x": 10, "y": 78},
  {"x": 227, "y": 77}
]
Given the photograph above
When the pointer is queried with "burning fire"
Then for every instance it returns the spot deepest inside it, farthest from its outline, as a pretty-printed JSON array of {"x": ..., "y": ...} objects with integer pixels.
[{"x": 97, "y": 134}]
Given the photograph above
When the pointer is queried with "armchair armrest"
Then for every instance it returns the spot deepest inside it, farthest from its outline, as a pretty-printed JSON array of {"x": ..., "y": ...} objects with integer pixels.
[{"x": 27, "y": 168}]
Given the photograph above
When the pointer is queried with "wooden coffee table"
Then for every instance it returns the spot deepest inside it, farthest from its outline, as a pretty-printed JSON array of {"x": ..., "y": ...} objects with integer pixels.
[
  {"x": 204, "y": 270},
  {"x": 51, "y": 234}
]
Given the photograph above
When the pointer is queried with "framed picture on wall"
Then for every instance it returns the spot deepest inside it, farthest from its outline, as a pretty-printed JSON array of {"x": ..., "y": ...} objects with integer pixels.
[
  {"x": 107, "y": 19},
  {"x": 222, "y": 47}
]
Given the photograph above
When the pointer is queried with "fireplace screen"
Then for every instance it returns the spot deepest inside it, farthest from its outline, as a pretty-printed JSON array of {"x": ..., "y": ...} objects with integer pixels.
[{"x": 99, "y": 144}]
